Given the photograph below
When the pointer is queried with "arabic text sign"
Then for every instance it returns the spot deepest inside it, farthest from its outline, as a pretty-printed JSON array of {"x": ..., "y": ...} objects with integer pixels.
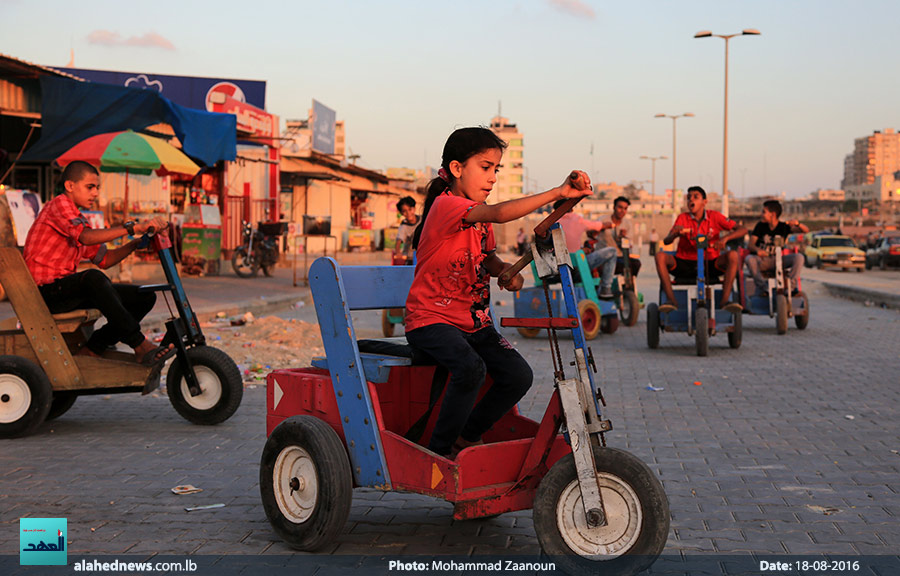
[{"x": 42, "y": 541}]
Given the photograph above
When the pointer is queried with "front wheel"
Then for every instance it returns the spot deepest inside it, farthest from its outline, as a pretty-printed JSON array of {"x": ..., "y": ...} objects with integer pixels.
[
  {"x": 305, "y": 482},
  {"x": 637, "y": 514},
  {"x": 245, "y": 265},
  {"x": 25, "y": 396},
  {"x": 630, "y": 308},
  {"x": 221, "y": 388},
  {"x": 737, "y": 331},
  {"x": 701, "y": 330},
  {"x": 653, "y": 326},
  {"x": 62, "y": 401},
  {"x": 781, "y": 313}
]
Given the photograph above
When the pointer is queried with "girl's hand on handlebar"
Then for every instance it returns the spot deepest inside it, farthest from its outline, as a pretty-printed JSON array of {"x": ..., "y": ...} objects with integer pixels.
[
  {"x": 576, "y": 185},
  {"x": 515, "y": 283}
]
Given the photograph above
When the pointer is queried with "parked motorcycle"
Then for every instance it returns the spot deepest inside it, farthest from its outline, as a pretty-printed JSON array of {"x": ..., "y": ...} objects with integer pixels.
[{"x": 259, "y": 249}]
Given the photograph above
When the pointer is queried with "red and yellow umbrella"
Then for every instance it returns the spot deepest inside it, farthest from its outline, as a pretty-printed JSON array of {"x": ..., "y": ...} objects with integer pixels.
[{"x": 130, "y": 152}]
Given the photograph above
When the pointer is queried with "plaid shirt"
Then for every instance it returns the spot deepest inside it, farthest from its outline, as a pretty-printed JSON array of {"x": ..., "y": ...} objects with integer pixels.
[{"x": 52, "y": 248}]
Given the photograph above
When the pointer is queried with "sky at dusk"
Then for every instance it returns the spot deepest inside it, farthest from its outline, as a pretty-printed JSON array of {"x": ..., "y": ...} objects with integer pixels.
[{"x": 572, "y": 74}]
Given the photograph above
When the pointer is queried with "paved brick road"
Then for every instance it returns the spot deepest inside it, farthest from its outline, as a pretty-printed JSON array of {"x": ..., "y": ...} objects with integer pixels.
[{"x": 788, "y": 446}]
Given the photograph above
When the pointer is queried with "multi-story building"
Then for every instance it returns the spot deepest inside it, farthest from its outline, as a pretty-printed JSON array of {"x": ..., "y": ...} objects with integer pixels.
[
  {"x": 869, "y": 170},
  {"x": 511, "y": 179}
]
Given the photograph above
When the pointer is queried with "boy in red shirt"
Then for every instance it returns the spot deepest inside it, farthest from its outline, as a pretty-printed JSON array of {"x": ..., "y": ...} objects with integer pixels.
[
  {"x": 699, "y": 220},
  {"x": 61, "y": 237}
]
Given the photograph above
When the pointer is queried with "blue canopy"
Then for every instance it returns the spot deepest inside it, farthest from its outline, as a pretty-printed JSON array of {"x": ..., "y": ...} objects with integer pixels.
[{"x": 72, "y": 111}]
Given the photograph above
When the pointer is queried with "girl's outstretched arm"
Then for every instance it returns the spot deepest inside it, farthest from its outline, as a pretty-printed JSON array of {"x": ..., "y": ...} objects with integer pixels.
[{"x": 577, "y": 185}]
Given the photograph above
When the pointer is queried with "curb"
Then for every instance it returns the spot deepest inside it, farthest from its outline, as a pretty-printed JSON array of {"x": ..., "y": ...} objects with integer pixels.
[
  {"x": 156, "y": 322},
  {"x": 866, "y": 296}
]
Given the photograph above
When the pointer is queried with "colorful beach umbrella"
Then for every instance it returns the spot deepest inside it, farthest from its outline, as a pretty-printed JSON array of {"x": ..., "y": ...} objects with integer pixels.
[{"x": 130, "y": 152}]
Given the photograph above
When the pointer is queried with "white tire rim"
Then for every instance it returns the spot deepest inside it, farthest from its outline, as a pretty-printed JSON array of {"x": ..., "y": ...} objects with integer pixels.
[
  {"x": 295, "y": 484},
  {"x": 15, "y": 398},
  {"x": 210, "y": 389},
  {"x": 623, "y": 519}
]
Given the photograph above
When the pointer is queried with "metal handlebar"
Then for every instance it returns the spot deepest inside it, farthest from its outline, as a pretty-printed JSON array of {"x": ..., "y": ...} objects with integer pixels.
[{"x": 541, "y": 231}]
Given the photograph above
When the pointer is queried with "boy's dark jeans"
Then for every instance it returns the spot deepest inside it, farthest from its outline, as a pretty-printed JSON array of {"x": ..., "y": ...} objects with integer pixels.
[
  {"x": 122, "y": 304},
  {"x": 468, "y": 357}
]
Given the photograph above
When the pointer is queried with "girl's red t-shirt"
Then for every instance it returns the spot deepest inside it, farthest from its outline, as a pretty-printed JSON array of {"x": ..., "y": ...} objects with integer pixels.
[{"x": 451, "y": 284}]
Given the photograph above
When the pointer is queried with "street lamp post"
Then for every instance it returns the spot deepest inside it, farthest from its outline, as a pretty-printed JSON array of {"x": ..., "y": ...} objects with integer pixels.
[
  {"x": 726, "y": 37},
  {"x": 653, "y": 160},
  {"x": 674, "y": 149}
]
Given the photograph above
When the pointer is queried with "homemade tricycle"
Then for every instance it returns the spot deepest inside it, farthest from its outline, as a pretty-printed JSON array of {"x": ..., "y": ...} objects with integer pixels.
[
  {"x": 41, "y": 377},
  {"x": 697, "y": 313},
  {"x": 780, "y": 301},
  {"x": 359, "y": 419}
]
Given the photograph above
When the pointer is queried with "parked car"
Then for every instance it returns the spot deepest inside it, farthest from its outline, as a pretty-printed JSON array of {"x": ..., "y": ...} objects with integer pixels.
[
  {"x": 835, "y": 251},
  {"x": 886, "y": 252}
]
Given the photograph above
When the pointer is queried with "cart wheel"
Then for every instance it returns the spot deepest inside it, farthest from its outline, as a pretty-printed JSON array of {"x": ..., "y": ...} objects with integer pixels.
[
  {"x": 630, "y": 309},
  {"x": 386, "y": 327},
  {"x": 781, "y": 316},
  {"x": 529, "y": 332},
  {"x": 25, "y": 396},
  {"x": 220, "y": 385},
  {"x": 244, "y": 265},
  {"x": 268, "y": 270},
  {"x": 637, "y": 513},
  {"x": 305, "y": 482},
  {"x": 609, "y": 324},
  {"x": 61, "y": 403},
  {"x": 653, "y": 326},
  {"x": 701, "y": 330},
  {"x": 802, "y": 320},
  {"x": 589, "y": 313},
  {"x": 734, "y": 337}
]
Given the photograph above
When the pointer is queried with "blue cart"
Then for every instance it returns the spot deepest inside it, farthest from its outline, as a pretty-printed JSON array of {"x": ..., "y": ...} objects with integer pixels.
[{"x": 779, "y": 301}]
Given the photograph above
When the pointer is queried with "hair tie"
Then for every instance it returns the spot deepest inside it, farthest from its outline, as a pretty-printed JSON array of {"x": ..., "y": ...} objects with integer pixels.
[{"x": 442, "y": 174}]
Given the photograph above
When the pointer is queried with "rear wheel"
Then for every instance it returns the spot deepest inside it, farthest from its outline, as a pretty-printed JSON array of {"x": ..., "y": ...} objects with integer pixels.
[
  {"x": 62, "y": 401},
  {"x": 653, "y": 326},
  {"x": 25, "y": 396},
  {"x": 221, "y": 388},
  {"x": 637, "y": 514},
  {"x": 630, "y": 308},
  {"x": 305, "y": 482},
  {"x": 781, "y": 313},
  {"x": 701, "y": 330},
  {"x": 589, "y": 313},
  {"x": 802, "y": 319},
  {"x": 609, "y": 324}
]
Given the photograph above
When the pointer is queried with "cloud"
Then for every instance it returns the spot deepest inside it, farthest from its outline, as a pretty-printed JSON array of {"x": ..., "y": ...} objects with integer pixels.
[
  {"x": 574, "y": 7},
  {"x": 148, "y": 40}
]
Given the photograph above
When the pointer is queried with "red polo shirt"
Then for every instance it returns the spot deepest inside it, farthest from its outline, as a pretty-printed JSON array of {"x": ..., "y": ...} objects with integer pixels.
[
  {"x": 711, "y": 224},
  {"x": 52, "y": 247}
]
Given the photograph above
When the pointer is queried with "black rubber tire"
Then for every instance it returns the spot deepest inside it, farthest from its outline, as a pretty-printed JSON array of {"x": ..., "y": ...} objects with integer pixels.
[
  {"x": 802, "y": 320},
  {"x": 529, "y": 332},
  {"x": 737, "y": 331},
  {"x": 62, "y": 401},
  {"x": 267, "y": 270},
  {"x": 630, "y": 309},
  {"x": 243, "y": 265},
  {"x": 25, "y": 396},
  {"x": 220, "y": 383},
  {"x": 882, "y": 264},
  {"x": 305, "y": 444},
  {"x": 631, "y": 492},
  {"x": 609, "y": 324},
  {"x": 653, "y": 326},
  {"x": 701, "y": 330},
  {"x": 781, "y": 313},
  {"x": 589, "y": 315}
]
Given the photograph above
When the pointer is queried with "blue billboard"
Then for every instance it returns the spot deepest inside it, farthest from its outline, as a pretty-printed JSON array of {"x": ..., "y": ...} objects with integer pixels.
[{"x": 190, "y": 91}]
